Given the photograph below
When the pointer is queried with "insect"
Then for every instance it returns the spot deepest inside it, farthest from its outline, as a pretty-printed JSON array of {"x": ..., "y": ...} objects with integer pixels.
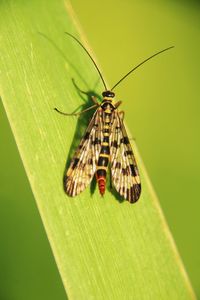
[{"x": 105, "y": 144}]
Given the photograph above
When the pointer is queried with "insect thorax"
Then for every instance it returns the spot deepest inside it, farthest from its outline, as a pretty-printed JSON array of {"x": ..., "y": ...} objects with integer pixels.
[{"x": 107, "y": 105}]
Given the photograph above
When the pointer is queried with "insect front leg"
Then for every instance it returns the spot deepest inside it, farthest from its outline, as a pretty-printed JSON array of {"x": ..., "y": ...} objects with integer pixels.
[
  {"x": 94, "y": 99},
  {"x": 78, "y": 113},
  {"x": 117, "y": 104}
]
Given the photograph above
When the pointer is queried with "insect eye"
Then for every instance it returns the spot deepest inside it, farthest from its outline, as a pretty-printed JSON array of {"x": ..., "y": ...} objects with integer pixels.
[{"x": 108, "y": 94}]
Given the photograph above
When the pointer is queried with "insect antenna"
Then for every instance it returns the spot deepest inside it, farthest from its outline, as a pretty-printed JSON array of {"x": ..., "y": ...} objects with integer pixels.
[
  {"x": 140, "y": 65},
  {"x": 89, "y": 56}
]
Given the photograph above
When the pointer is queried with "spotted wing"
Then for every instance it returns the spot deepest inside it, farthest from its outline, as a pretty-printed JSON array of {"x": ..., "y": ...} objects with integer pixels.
[
  {"x": 124, "y": 170},
  {"x": 83, "y": 164}
]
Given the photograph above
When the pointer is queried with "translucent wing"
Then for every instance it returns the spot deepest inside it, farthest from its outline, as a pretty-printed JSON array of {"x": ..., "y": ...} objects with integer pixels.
[
  {"x": 124, "y": 170},
  {"x": 83, "y": 164}
]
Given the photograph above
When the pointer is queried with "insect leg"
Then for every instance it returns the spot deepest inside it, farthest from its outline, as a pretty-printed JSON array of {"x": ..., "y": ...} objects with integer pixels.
[
  {"x": 111, "y": 186},
  {"x": 122, "y": 115},
  {"x": 78, "y": 113},
  {"x": 94, "y": 99},
  {"x": 118, "y": 104}
]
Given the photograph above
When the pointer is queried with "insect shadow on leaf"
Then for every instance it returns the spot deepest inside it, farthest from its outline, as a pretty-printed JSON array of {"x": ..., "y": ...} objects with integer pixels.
[
  {"x": 82, "y": 123},
  {"x": 66, "y": 59}
]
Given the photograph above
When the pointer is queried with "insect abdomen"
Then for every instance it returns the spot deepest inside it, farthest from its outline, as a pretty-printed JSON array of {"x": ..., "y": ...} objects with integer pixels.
[{"x": 102, "y": 164}]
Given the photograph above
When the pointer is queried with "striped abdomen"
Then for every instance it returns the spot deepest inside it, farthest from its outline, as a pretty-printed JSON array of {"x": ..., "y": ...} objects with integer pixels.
[{"x": 102, "y": 164}]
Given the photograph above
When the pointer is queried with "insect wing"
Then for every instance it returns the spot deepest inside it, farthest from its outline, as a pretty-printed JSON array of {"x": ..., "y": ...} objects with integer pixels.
[
  {"x": 124, "y": 170},
  {"x": 83, "y": 164}
]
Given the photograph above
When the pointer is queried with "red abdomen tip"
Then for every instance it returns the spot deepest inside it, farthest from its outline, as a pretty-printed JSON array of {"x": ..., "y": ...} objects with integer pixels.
[{"x": 102, "y": 185}]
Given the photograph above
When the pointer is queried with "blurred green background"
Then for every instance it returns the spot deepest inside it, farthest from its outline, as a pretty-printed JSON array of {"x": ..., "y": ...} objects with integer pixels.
[{"x": 161, "y": 101}]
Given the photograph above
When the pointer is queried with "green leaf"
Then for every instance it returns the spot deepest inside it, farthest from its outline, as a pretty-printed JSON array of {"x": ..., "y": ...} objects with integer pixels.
[{"x": 104, "y": 248}]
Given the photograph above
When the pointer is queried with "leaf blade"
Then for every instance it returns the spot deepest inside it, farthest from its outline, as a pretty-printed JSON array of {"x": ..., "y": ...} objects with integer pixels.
[{"x": 103, "y": 248}]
